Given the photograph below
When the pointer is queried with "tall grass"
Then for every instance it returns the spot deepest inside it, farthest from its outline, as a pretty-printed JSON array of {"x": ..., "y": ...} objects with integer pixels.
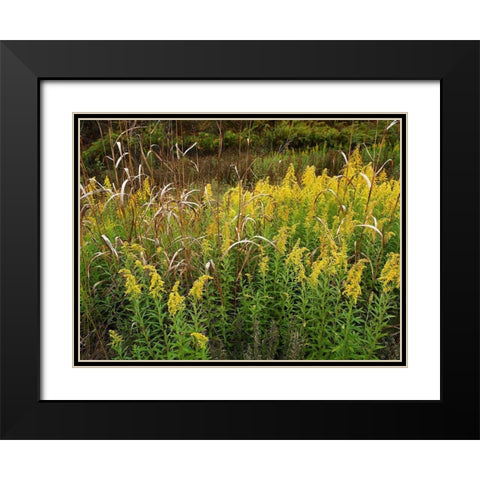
[{"x": 303, "y": 267}]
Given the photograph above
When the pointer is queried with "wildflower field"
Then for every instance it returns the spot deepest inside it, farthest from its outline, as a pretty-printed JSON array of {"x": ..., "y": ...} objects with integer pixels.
[{"x": 239, "y": 240}]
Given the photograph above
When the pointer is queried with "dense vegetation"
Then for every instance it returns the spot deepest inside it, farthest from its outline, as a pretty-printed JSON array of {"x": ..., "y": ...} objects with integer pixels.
[{"x": 240, "y": 240}]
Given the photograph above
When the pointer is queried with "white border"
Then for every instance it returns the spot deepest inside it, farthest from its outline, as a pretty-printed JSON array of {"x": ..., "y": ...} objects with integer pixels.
[{"x": 421, "y": 380}]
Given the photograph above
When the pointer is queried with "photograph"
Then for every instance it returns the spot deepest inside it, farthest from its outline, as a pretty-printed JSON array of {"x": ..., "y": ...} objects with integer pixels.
[{"x": 258, "y": 239}]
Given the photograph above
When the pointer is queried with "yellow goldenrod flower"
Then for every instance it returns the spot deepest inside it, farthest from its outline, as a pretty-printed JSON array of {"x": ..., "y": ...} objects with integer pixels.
[
  {"x": 116, "y": 338},
  {"x": 269, "y": 208},
  {"x": 208, "y": 192},
  {"x": 355, "y": 161},
  {"x": 200, "y": 340},
  {"x": 281, "y": 239},
  {"x": 263, "y": 265},
  {"x": 132, "y": 288},
  {"x": 132, "y": 201},
  {"x": 318, "y": 267},
  {"x": 197, "y": 289},
  {"x": 145, "y": 192},
  {"x": 156, "y": 283},
  {"x": 354, "y": 277},
  {"x": 176, "y": 303},
  {"x": 226, "y": 240},
  {"x": 206, "y": 247},
  {"x": 390, "y": 276},
  {"x": 91, "y": 185},
  {"x": 149, "y": 268},
  {"x": 295, "y": 258},
  {"x": 211, "y": 230},
  {"x": 391, "y": 197},
  {"x": 290, "y": 178},
  {"x": 107, "y": 184},
  {"x": 309, "y": 177},
  {"x": 387, "y": 236},
  {"x": 135, "y": 247},
  {"x": 381, "y": 177},
  {"x": 339, "y": 258}
]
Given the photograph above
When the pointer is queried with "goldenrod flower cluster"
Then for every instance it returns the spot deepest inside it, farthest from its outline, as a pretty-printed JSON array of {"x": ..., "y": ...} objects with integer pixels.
[
  {"x": 226, "y": 240},
  {"x": 318, "y": 267},
  {"x": 144, "y": 193},
  {"x": 132, "y": 287},
  {"x": 355, "y": 161},
  {"x": 281, "y": 239},
  {"x": 156, "y": 283},
  {"x": 200, "y": 339},
  {"x": 211, "y": 230},
  {"x": 290, "y": 178},
  {"x": 354, "y": 278},
  {"x": 197, "y": 289},
  {"x": 295, "y": 258},
  {"x": 390, "y": 276},
  {"x": 176, "y": 303},
  {"x": 309, "y": 178},
  {"x": 91, "y": 185},
  {"x": 263, "y": 265},
  {"x": 107, "y": 184},
  {"x": 132, "y": 248},
  {"x": 116, "y": 338},
  {"x": 206, "y": 247},
  {"x": 208, "y": 192}
]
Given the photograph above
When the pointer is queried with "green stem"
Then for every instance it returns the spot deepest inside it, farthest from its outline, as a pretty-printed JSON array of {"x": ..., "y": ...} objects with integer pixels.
[
  {"x": 377, "y": 326},
  {"x": 160, "y": 321},
  {"x": 323, "y": 315},
  {"x": 347, "y": 329},
  {"x": 139, "y": 317},
  {"x": 195, "y": 316}
]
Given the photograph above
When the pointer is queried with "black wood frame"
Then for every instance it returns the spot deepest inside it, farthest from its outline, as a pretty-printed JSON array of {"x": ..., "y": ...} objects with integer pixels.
[{"x": 25, "y": 64}]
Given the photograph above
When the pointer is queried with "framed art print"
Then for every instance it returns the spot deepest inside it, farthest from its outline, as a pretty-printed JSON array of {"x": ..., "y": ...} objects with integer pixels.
[{"x": 245, "y": 238}]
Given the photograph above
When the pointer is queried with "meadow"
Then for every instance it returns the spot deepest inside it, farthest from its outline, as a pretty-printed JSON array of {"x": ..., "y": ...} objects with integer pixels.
[{"x": 239, "y": 240}]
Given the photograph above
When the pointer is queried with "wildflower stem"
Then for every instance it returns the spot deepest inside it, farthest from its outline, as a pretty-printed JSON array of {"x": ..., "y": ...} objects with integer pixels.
[{"x": 347, "y": 329}]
